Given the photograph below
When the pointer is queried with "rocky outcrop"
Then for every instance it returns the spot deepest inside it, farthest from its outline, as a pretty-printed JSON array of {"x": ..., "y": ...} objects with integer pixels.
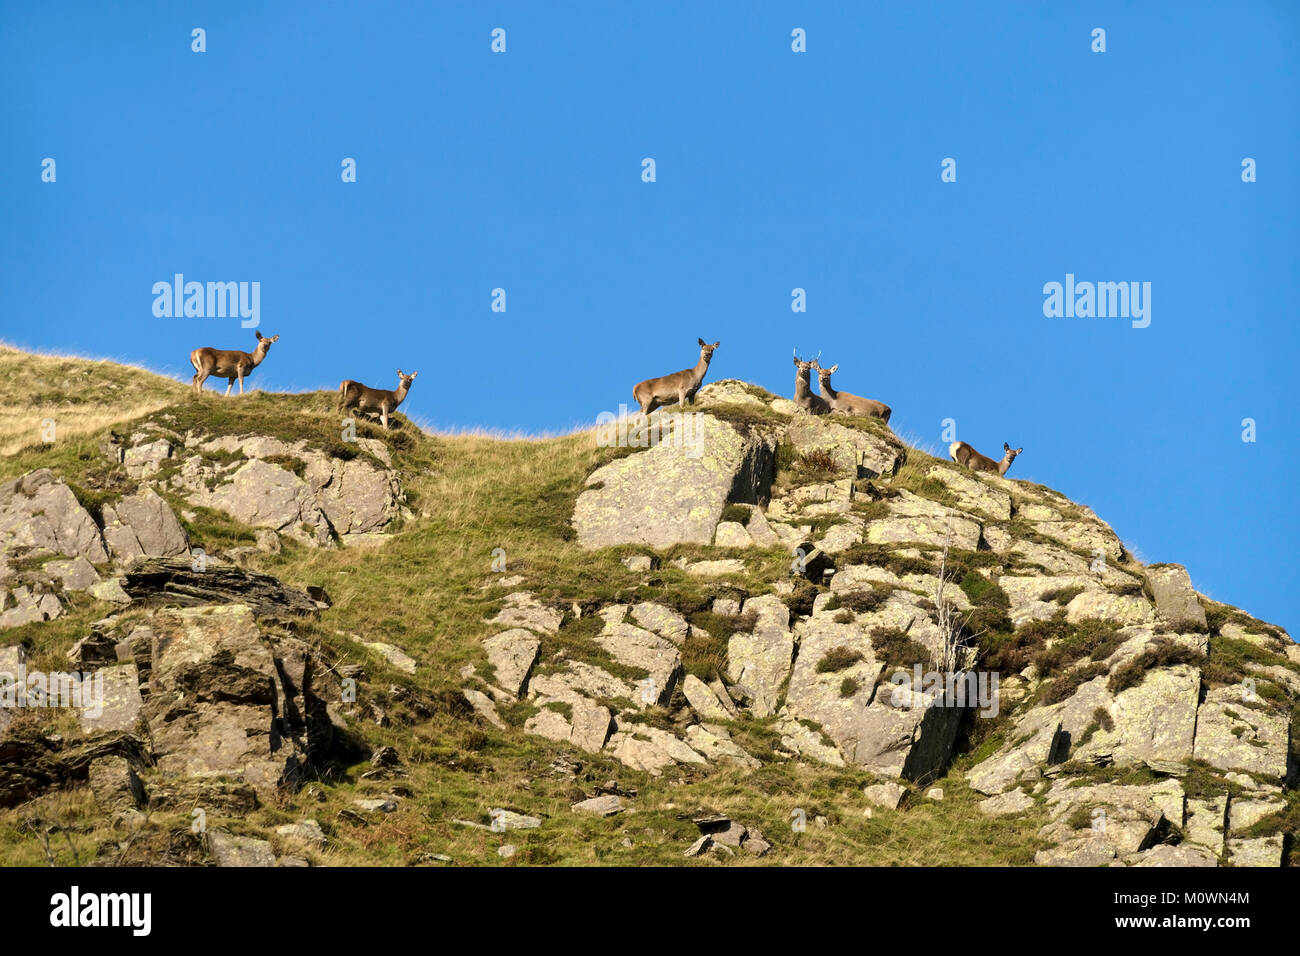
[
  {"x": 1176, "y": 599},
  {"x": 292, "y": 488},
  {"x": 862, "y": 452},
  {"x": 182, "y": 582},
  {"x": 674, "y": 492},
  {"x": 143, "y": 525},
  {"x": 39, "y": 513},
  {"x": 226, "y": 699}
]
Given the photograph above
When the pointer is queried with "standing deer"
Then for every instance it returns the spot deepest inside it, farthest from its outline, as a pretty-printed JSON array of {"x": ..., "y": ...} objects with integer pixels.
[
  {"x": 364, "y": 398},
  {"x": 964, "y": 454},
  {"x": 843, "y": 403},
  {"x": 230, "y": 364},
  {"x": 803, "y": 395},
  {"x": 682, "y": 386}
]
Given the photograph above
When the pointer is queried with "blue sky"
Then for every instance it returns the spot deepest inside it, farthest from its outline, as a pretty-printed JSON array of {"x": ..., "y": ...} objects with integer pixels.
[{"x": 775, "y": 170}]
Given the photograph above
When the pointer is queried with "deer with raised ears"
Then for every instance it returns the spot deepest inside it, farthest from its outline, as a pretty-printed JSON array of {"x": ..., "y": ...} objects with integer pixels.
[
  {"x": 366, "y": 399},
  {"x": 803, "y": 393},
  {"x": 843, "y": 403},
  {"x": 964, "y": 454},
  {"x": 680, "y": 386},
  {"x": 230, "y": 364}
]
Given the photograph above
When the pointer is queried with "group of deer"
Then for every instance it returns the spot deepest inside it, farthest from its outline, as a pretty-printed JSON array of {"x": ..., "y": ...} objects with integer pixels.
[
  {"x": 234, "y": 365},
  {"x": 682, "y": 386}
]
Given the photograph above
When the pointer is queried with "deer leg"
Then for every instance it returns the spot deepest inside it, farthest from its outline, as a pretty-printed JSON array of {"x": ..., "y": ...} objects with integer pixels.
[
  {"x": 383, "y": 416},
  {"x": 230, "y": 383},
  {"x": 241, "y": 383}
]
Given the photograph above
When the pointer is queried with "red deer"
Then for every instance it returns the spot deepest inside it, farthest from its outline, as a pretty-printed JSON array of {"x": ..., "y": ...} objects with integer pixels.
[
  {"x": 681, "y": 386},
  {"x": 364, "y": 398},
  {"x": 803, "y": 395},
  {"x": 844, "y": 403},
  {"x": 964, "y": 454},
  {"x": 230, "y": 364}
]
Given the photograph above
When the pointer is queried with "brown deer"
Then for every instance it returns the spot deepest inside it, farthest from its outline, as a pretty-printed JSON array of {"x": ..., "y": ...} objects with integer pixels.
[
  {"x": 843, "y": 403},
  {"x": 964, "y": 454},
  {"x": 366, "y": 399},
  {"x": 803, "y": 394},
  {"x": 230, "y": 364},
  {"x": 682, "y": 386}
]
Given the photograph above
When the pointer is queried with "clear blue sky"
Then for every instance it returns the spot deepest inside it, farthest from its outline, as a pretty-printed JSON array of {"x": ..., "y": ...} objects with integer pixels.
[{"x": 775, "y": 170}]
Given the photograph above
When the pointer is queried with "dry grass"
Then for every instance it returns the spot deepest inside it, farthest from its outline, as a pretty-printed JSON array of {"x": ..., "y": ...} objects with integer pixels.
[{"x": 81, "y": 395}]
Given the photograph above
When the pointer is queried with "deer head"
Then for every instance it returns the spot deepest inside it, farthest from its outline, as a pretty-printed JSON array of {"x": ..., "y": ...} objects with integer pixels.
[
  {"x": 264, "y": 344},
  {"x": 706, "y": 350},
  {"x": 824, "y": 374},
  {"x": 1008, "y": 457},
  {"x": 405, "y": 379}
]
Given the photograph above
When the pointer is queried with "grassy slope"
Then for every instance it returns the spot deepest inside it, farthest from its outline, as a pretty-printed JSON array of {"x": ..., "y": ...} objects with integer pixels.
[
  {"x": 81, "y": 395},
  {"x": 422, "y": 591}
]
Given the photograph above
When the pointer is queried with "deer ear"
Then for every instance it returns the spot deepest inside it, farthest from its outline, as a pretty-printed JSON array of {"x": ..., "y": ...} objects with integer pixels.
[
  {"x": 276, "y": 337},
  {"x": 259, "y": 336},
  {"x": 1019, "y": 450},
  {"x": 1006, "y": 447},
  {"x": 701, "y": 341},
  {"x": 717, "y": 343},
  {"x": 796, "y": 360},
  {"x": 834, "y": 368},
  {"x": 413, "y": 374}
]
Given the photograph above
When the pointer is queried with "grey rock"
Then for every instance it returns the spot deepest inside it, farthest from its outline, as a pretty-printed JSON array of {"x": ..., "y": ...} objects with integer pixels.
[
  {"x": 912, "y": 518},
  {"x": 669, "y": 494},
  {"x": 1262, "y": 851},
  {"x": 512, "y": 655},
  {"x": 1231, "y": 735},
  {"x": 115, "y": 784},
  {"x": 732, "y": 534},
  {"x": 228, "y": 850},
  {"x": 394, "y": 655},
  {"x": 759, "y": 662},
  {"x": 523, "y": 610},
  {"x": 1182, "y": 855},
  {"x": 636, "y": 647},
  {"x": 376, "y": 805},
  {"x": 704, "y": 701},
  {"x": 662, "y": 620},
  {"x": 304, "y": 831},
  {"x": 143, "y": 524},
  {"x": 888, "y": 795},
  {"x": 859, "y": 452},
  {"x": 39, "y": 511},
  {"x": 1175, "y": 597},
  {"x": 510, "y": 820},
  {"x": 1011, "y": 803},
  {"x": 146, "y": 459},
  {"x": 31, "y": 606},
  {"x": 603, "y": 806},
  {"x": 73, "y": 574},
  {"x": 111, "y": 591},
  {"x": 121, "y": 706},
  {"x": 484, "y": 707},
  {"x": 716, "y": 746},
  {"x": 1204, "y": 822}
]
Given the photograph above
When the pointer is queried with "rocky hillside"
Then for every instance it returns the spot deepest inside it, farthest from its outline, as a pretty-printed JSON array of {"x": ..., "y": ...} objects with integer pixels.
[{"x": 767, "y": 639}]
